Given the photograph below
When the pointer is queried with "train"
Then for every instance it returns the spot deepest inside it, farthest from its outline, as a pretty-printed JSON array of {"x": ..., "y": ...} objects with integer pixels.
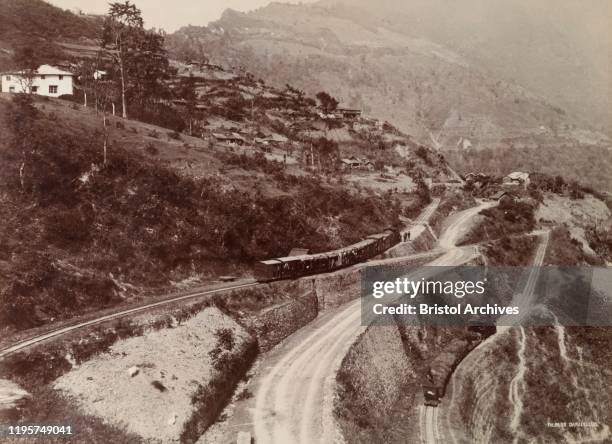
[{"x": 296, "y": 266}]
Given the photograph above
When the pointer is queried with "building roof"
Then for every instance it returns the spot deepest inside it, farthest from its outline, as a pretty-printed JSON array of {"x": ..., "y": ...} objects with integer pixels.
[
  {"x": 517, "y": 175},
  {"x": 298, "y": 252},
  {"x": 501, "y": 194},
  {"x": 232, "y": 136},
  {"x": 46, "y": 70},
  {"x": 353, "y": 161},
  {"x": 270, "y": 262}
]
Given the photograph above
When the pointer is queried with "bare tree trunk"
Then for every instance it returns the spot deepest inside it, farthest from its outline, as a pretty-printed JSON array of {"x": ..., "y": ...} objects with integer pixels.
[
  {"x": 123, "y": 104},
  {"x": 105, "y": 138},
  {"x": 113, "y": 105},
  {"x": 85, "y": 100},
  {"x": 21, "y": 179},
  {"x": 311, "y": 156}
]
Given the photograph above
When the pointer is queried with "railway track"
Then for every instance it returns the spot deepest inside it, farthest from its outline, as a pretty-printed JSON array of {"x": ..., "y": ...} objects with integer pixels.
[
  {"x": 24, "y": 344},
  {"x": 294, "y": 394},
  {"x": 53, "y": 333}
]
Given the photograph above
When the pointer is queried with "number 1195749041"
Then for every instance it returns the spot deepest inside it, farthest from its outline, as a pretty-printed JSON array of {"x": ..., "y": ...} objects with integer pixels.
[{"x": 29, "y": 430}]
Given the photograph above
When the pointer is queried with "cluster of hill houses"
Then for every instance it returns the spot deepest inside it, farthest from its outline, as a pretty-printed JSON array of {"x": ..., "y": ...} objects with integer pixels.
[
  {"x": 55, "y": 82},
  {"x": 234, "y": 138},
  {"x": 357, "y": 163}
]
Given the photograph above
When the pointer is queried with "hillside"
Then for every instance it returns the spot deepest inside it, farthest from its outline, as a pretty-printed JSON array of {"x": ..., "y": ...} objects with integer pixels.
[
  {"x": 241, "y": 172},
  {"x": 45, "y": 26},
  {"x": 544, "y": 46},
  {"x": 425, "y": 88},
  {"x": 80, "y": 234},
  {"x": 563, "y": 160}
]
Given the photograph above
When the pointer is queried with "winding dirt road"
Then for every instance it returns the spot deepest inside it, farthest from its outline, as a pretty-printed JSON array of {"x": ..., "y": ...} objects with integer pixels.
[
  {"x": 294, "y": 392},
  {"x": 524, "y": 300}
]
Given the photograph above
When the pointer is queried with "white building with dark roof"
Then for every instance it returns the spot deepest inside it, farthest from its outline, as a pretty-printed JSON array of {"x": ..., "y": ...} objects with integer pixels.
[{"x": 47, "y": 81}]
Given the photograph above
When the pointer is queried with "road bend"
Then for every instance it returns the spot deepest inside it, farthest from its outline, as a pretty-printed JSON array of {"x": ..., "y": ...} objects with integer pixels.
[
  {"x": 524, "y": 301},
  {"x": 294, "y": 391}
]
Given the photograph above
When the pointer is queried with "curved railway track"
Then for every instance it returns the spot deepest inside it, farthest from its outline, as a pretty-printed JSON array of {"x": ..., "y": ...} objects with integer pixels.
[
  {"x": 63, "y": 330},
  {"x": 53, "y": 333}
]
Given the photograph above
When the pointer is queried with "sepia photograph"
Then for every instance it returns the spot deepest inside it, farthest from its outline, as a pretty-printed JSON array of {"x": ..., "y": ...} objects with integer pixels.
[{"x": 309, "y": 222}]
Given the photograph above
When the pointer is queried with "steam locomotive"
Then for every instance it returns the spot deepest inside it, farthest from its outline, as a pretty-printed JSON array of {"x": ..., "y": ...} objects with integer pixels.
[{"x": 296, "y": 266}]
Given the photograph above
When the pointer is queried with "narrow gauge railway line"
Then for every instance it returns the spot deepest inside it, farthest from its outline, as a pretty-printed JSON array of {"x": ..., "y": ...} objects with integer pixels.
[
  {"x": 67, "y": 329},
  {"x": 298, "y": 266}
]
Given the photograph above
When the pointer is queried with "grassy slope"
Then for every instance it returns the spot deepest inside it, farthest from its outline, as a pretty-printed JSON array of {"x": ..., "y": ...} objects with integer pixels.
[
  {"x": 70, "y": 245},
  {"x": 39, "y": 22}
]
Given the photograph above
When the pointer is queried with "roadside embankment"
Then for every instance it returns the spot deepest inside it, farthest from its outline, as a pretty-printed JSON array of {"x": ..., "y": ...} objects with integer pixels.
[
  {"x": 476, "y": 397},
  {"x": 75, "y": 372},
  {"x": 274, "y": 324},
  {"x": 371, "y": 380},
  {"x": 451, "y": 203},
  {"x": 156, "y": 384},
  {"x": 380, "y": 381},
  {"x": 424, "y": 241}
]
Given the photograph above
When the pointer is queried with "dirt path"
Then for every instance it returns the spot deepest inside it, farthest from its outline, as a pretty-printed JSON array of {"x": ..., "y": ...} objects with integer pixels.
[
  {"x": 523, "y": 300},
  {"x": 294, "y": 392}
]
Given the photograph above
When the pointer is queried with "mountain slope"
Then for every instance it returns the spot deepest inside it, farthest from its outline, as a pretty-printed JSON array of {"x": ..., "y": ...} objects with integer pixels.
[
  {"x": 42, "y": 26},
  {"x": 424, "y": 88},
  {"x": 559, "y": 49}
]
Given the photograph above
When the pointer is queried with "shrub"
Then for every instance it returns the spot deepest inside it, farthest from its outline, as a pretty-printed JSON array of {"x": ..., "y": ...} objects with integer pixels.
[
  {"x": 67, "y": 227},
  {"x": 210, "y": 399},
  {"x": 151, "y": 149}
]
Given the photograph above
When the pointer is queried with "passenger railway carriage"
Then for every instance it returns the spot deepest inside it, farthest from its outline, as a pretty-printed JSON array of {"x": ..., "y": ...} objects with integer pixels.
[{"x": 296, "y": 266}]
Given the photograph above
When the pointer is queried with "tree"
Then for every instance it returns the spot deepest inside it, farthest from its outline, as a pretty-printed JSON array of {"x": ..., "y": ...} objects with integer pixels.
[
  {"x": 103, "y": 91},
  {"x": 123, "y": 27},
  {"x": 328, "y": 103},
  {"x": 187, "y": 92},
  {"x": 148, "y": 68},
  {"x": 105, "y": 98},
  {"x": 22, "y": 120},
  {"x": 27, "y": 61},
  {"x": 326, "y": 150}
]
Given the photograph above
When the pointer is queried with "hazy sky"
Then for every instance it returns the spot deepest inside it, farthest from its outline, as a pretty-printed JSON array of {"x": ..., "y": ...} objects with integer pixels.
[{"x": 171, "y": 15}]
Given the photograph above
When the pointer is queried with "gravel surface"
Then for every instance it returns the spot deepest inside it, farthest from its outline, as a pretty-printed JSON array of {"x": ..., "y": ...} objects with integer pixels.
[{"x": 156, "y": 401}]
